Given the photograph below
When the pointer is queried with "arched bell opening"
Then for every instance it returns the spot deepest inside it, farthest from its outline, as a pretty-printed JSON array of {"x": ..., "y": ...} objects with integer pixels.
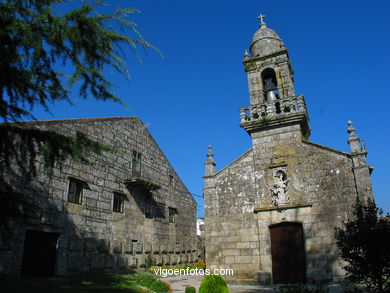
[{"x": 270, "y": 83}]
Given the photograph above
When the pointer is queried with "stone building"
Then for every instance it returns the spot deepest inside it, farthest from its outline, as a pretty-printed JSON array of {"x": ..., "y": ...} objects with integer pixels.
[
  {"x": 270, "y": 214},
  {"x": 111, "y": 213}
]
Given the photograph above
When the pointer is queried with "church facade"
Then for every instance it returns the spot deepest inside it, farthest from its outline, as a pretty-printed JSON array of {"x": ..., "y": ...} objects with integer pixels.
[
  {"x": 125, "y": 205},
  {"x": 270, "y": 214}
]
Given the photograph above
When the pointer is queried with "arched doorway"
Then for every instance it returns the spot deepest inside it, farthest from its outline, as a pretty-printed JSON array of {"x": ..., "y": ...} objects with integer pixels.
[{"x": 288, "y": 253}]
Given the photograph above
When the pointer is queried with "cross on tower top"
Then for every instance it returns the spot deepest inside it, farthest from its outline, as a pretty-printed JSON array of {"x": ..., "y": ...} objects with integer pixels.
[{"x": 261, "y": 17}]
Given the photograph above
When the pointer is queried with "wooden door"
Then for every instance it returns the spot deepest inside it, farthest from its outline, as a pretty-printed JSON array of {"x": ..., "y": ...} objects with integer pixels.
[{"x": 288, "y": 253}]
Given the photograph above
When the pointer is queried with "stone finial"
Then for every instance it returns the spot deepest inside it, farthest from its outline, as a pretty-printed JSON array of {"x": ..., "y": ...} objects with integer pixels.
[
  {"x": 261, "y": 17},
  {"x": 351, "y": 130},
  {"x": 210, "y": 163},
  {"x": 246, "y": 55},
  {"x": 353, "y": 140}
]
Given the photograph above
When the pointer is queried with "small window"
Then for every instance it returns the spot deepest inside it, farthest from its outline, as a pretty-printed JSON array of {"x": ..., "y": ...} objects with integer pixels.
[
  {"x": 136, "y": 161},
  {"x": 118, "y": 203},
  {"x": 149, "y": 210},
  {"x": 172, "y": 215},
  {"x": 75, "y": 191},
  {"x": 171, "y": 179}
]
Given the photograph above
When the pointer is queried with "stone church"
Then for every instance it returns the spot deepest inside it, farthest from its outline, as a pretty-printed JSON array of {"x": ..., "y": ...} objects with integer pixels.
[
  {"x": 270, "y": 214},
  {"x": 113, "y": 212}
]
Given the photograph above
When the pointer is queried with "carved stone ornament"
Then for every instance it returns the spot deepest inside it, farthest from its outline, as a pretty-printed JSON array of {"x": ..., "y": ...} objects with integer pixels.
[
  {"x": 279, "y": 189},
  {"x": 278, "y": 160}
]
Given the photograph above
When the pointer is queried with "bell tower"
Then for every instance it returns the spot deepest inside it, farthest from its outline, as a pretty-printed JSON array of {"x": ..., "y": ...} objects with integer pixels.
[{"x": 273, "y": 102}]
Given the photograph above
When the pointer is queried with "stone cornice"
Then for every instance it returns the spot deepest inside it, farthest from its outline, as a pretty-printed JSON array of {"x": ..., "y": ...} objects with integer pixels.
[
  {"x": 283, "y": 207},
  {"x": 279, "y": 121}
]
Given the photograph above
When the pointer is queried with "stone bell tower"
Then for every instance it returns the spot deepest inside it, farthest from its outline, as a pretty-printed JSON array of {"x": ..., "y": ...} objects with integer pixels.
[
  {"x": 281, "y": 199},
  {"x": 273, "y": 102}
]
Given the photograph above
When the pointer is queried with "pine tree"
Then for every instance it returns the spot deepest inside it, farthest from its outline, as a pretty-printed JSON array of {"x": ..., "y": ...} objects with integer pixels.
[{"x": 38, "y": 37}]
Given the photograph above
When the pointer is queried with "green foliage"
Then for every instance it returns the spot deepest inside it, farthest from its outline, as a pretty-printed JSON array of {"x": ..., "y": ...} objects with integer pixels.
[
  {"x": 364, "y": 243},
  {"x": 41, "y": 37},
  {"x": 265, "y": 119},
  {"x": 100, "y": 281},
  {"x": 152, "y": 269},
  {"x": 149, "y": 281},
  {"x": 20, "y": 147},
  {"x": 149, "y": 261},
  {"x": 190, "y": 289},
  {"x": 213, "y": 284}
]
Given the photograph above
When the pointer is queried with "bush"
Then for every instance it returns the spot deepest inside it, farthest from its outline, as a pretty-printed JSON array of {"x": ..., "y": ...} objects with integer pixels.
[
  {"x": 149, "y": 261},
  {"x": 151, "y": 283},
  {"x": 213, "y": 284},
  {"x": 190, "y": 290}
]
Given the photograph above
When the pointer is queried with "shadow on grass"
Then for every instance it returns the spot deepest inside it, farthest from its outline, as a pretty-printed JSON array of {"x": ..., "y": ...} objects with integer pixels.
[{"x": 98, "y": 281}]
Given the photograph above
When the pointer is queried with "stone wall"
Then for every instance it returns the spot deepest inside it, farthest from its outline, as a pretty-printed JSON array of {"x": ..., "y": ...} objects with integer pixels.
[
  {"x": 239, "y": 205},
  {"x": 91, "y": 235}
]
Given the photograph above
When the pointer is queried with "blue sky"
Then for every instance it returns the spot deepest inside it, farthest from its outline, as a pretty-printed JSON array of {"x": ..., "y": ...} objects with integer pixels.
[{"x": 340, "y": 51}]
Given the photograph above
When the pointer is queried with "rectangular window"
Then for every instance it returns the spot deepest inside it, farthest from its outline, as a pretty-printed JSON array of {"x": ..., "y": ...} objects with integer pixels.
[
  {"x": 118, "y": 203},
  {"x": 75, "y": 191},
  {"x": 171, "y": 179},
  {"x": 172, "y": 215},
  {"x": 136, "y": 162},
  {"x": 149, "y": 210}
]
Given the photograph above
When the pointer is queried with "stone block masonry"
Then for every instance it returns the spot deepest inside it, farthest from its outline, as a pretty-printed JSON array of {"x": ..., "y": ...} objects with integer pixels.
[
  {"x": 130, "y": 203},
  {"x": 270, "y": 215}
]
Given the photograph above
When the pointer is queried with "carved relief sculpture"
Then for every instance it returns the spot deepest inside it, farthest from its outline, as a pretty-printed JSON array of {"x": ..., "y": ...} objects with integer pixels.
[{"x": 279, "y": 189}]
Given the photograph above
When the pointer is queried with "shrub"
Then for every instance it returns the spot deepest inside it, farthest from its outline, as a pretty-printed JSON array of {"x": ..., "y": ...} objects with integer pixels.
[
  {"x": 150, "y": 282},
  {"x": 213, "y": 284},
  {"x": 190, "y": 289},
  {"x": 149, "y": 261}
]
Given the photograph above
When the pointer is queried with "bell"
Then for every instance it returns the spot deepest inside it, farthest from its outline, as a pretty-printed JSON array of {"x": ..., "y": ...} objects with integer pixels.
[{"x": 270, "y": 96}]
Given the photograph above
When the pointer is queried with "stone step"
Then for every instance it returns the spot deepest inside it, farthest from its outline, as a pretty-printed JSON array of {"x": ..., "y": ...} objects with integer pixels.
[{"x": 245, "y": 282}]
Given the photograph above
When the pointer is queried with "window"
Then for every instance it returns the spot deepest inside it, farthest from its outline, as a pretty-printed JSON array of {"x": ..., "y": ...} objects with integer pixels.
[
  {"x": 172, "y": 215},
  {"x": 149, "y": 210},
  {"x": 118, "y": 203},
  {"x": 171, "y": 179},
  {"x": 75, "y": 191},
  {"x": 270, "y": 85},
  {"x": 136, "y": 162}
]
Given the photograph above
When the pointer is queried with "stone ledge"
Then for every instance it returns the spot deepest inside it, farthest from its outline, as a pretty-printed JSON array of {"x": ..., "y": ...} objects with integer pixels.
[{"x": 285, "y": 207}]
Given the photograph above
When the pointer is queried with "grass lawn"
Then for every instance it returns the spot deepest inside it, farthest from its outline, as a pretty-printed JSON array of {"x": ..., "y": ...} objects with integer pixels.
[{"x": 87, "y": 282}]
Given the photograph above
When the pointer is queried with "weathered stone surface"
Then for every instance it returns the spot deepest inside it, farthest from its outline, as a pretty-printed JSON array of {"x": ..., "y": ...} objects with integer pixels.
[
  {"x": 91, "y": 228},
  {"x": 283, "y": 178}
]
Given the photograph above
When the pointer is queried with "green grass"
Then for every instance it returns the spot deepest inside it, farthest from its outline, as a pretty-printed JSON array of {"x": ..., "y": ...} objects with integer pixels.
[{"x": 87, "y": 282}]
